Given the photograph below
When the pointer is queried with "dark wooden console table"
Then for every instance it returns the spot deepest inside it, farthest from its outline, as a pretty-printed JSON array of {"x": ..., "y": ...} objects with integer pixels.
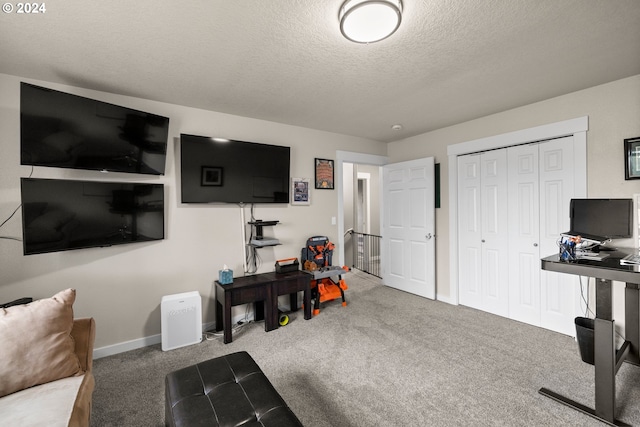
[
  {"x": 607, "y": 360},
  {"x": 261, "y": 288}
]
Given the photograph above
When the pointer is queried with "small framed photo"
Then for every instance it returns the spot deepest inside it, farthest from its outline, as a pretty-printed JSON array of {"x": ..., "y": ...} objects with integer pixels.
[
  {"x": 211, "y": 176},
  {"x": 300, "y": 191},
  {"x": 324, "y": 174},
  {"x": 632, "y": 158}
]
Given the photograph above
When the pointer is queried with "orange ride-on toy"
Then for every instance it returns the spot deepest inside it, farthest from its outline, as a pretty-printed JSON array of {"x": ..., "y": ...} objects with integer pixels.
[{"x": 316, "y": 259}]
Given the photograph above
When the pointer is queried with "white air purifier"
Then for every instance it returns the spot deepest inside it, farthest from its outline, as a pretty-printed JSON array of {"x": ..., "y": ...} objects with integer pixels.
[{"x": 181, "y": 320}]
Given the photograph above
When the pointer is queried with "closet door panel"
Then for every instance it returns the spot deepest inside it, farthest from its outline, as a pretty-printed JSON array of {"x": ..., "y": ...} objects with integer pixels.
[
  {"x": 494, "y": 232},
  {"x": 524, "y": 232},
  {"x": 559, "y": 292},
  {"x": 469, "y": 231}
]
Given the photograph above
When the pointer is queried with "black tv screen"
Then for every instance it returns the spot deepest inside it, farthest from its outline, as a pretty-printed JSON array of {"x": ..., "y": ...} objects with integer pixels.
[
  {"x": 610, "y": 218},
  {"x": 228, "y": 171},
  {"x": 59, "y": 215},
  {"x": 58, "y": 129}
]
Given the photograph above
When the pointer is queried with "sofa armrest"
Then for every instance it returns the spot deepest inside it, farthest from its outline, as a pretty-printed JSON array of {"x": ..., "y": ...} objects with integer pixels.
[{"x": 84, "y": 334}]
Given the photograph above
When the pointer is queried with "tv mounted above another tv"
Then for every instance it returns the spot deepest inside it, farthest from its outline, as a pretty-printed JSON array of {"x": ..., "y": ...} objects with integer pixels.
[
  {"x": 58, "y": 129},
  {"x": 217, "y": 170},
  {"x": 59, "y": 215}
]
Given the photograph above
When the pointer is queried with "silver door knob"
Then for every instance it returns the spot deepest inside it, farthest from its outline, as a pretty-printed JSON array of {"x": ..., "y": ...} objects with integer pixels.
[{"x": 428, "y": 236}]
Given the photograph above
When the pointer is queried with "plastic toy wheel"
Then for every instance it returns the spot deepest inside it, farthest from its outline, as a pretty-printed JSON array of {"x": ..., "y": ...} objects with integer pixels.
[{"x": 283, "y": 320}]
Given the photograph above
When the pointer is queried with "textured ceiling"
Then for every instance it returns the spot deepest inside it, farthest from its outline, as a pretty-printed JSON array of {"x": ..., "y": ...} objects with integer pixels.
[{"x": 285, "y": 60}]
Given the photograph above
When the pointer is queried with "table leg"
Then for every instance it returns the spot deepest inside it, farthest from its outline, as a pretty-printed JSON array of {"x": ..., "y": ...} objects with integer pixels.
[
  {"x": 293, "y": 301},
  {"x": 605, "y": 374},
  {"x": 227, "y": 318},
  {"x": 258, "y": 309},
  {"x": 307, "y": 302},
  {"x": 632, "y": 321},
  {"x": 604, "y": 360},
  {"x": 271, "y": 308},
  {"x": 219, "y": 310}
]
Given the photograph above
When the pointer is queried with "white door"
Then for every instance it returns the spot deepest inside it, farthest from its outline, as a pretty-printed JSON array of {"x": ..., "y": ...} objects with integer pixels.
[
  {"x": 495, "y": 233},
  {"x": 483, "y": 232},
  {"x": 524, "y": 234},
  {"x": 469, "y": 231},
  {"x": 408, "y": 227},
  {"x": 559, "y": 293}
]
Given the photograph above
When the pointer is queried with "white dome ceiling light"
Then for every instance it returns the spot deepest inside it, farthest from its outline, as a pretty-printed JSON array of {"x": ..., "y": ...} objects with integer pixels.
[{"x": 369, "y": 21}]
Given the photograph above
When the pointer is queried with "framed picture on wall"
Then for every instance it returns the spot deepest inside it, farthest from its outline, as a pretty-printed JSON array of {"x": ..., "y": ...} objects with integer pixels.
[
  {"x": 632, "y": 158},
  {"x": 300, "y": 191},
  {"x": 324, "y": 174},
  {"x": 211, "y": 176}
]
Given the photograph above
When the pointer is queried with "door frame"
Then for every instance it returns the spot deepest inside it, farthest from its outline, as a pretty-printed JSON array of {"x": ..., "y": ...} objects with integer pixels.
[
  {"x": 577, "y": 128},
  {"x": 357, "y": 158}
]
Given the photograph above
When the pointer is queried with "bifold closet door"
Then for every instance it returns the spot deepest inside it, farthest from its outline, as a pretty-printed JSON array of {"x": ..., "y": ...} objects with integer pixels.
[
  {"x": 469, "y": 232},
  {"x": 483, "y": 231},
  {"x": 540, "y": 188},
  {"x": 524, "y": 234},
  {"x": 559, "y": 293}
]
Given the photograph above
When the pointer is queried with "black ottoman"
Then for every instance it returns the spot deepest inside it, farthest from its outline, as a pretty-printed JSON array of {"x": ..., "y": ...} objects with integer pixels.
[{"x": 229, "y": 390}]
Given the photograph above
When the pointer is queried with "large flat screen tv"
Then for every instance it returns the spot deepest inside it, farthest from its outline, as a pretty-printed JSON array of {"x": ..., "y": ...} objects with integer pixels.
[
  {"x": 58, "y": 129},
  {"x": 608, "y": 218},
  {"x": 59, "y": 215},
  {"x": 228, "y": 171}
]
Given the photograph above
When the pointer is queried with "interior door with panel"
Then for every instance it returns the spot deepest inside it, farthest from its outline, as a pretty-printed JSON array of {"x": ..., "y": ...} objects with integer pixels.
[
  {"x": 408, "y": 227},
  {"x": 469, "y": 231},
  {"x": 495, "y": 232},
  {"x": 524, "y": 234},
  {"x": 559, "y": 293}
]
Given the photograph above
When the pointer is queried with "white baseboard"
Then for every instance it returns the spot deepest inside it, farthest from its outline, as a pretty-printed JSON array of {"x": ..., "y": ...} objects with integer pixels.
[{"x": 110, "y": 350}]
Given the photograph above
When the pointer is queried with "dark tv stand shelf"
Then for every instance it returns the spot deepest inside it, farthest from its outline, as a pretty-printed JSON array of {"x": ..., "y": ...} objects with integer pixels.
[{"x": 259, "y": 224}]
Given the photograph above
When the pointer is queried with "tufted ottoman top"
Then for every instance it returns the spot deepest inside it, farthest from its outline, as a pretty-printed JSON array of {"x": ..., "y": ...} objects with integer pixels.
[{"x": 226, "y": 391}]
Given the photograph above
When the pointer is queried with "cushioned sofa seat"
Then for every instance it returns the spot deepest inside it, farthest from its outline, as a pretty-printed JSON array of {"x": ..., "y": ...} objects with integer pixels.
[
  {"x": 46, "y": 364},
  {"x": 226, "y": 391},
  {"x": 58, "y": 403}
]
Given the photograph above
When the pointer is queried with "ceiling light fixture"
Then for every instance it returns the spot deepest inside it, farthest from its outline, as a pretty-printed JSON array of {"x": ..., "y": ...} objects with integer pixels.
[{"x": 369, "y": 21}]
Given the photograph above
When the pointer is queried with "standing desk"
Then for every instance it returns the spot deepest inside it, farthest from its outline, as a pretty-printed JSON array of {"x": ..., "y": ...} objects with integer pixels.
[
  {"x": 607, "y": 360},
  {"x": 262, "y": 290}
]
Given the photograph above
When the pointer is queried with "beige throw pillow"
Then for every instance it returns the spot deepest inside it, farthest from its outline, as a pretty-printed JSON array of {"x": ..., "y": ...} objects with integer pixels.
[{"x": 36, "y": 346}]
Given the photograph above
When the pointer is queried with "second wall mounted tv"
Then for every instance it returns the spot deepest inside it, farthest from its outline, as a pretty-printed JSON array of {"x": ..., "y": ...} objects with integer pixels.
[
  {"x": 62, "y": 130},
  {"x": 228, "y": 171},
  {"x": 60, "y": 214}
]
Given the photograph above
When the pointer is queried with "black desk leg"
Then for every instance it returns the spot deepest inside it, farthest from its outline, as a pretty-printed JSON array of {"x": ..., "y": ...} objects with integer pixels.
[
  {"x": 605, "y": 369},
  {"x": 605, "y": 352},
  {"x": 604, "y": 360},
  {"x": 632, "y": 321}
]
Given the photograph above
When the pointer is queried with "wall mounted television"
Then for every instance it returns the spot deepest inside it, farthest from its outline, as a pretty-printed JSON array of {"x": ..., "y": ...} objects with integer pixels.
[
  {"x": 59, "y": 215},
  {"x": 58, "y": 129},
  {"x": 608, "y": 218},
  {"x": 217, "y": 170}
]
